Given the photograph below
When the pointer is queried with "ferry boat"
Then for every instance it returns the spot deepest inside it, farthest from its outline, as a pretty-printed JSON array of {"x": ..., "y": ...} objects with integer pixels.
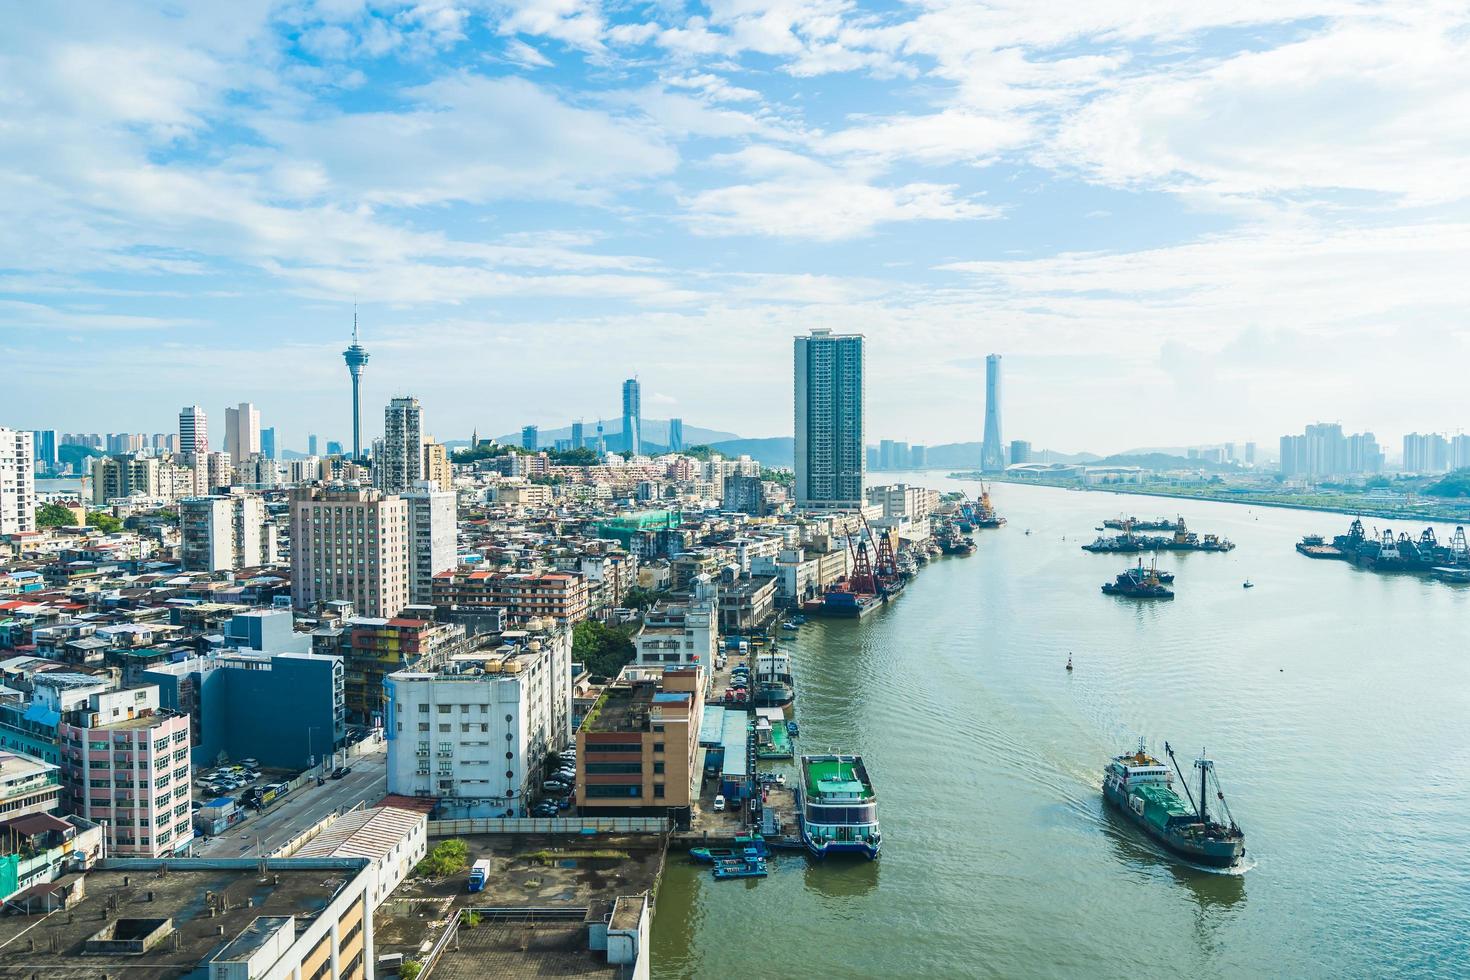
[
  {"x": 836, "y": 806},
  {"x": 772, "y": 680},
  {"x": 1142, "y": 788}
]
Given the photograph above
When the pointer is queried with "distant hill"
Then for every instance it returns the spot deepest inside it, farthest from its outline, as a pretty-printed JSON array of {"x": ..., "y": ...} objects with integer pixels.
[
  {"x": 776, "y": 451},
  {"x": 1164, "y": 461},
  {"x": 655, "y": 434}
]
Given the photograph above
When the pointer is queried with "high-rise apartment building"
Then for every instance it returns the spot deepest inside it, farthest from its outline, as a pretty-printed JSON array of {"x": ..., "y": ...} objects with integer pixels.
[
  {"x": 242, "y": 432},
  {"x": 349, "y": 545},
  {"x": 830, "y": 461},
  {"x": 402, "y": 462},
  {"x": 17, "y": 481},
  {"x": 1426, "y": 453},
  {"x": 225, "y": 533},
  {"x": 676, "y": 435},
  {"x": 125, "y": 475},
  {"x": 43, "y": 444},
  {"x": 530, "y": 437},
  {"x": 431, "y": 538},
  {"x": 579, "y": 440},
  {"x": 125, "y": 764},
  {"x": 1324, "y": 451},
  {"x": 632, "y": 416},
  {"x": 992, "y": 450},
  {"x": 437, "y": 468}
]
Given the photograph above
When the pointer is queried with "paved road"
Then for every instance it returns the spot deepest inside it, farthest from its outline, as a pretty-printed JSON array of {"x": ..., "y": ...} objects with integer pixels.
[{"x": 301, "y": 808}]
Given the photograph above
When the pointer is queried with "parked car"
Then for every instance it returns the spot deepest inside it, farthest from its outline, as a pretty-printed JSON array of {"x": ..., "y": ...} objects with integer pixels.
[
  {"x": 341, "y": 771},
  {"x": 544, "y": 809},
  {"x": 720, "y": 803},
  {"x": 554, "y": 786},
  {"x": 250, "y": 763}
]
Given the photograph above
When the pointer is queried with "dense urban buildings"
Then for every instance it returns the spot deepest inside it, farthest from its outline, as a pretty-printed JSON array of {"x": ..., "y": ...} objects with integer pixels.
[
  {"x": 437, "y": 468},
  {"x": 830, "y": 458},
  {"x": 992, "y": 449},
  {"x": 17, "y": 481},
  {"x": 561, "y": 597},
  {"x": 431, "y": 535},
  {"x": 225, "y": 533},
  {"x": 349, "y": 545},
  {"x": 1324, "y": 451},
  {"x": 402, "y": 463}
]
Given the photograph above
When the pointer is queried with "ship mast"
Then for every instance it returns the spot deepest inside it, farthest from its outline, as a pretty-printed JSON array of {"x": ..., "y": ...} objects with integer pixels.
[
  {"x": 1204, "y": 766},
  {"x": 1182, "y": 781}
]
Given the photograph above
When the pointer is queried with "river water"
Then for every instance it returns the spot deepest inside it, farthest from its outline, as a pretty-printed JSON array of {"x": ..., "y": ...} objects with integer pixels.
[{"x": 1335, "y": 703}]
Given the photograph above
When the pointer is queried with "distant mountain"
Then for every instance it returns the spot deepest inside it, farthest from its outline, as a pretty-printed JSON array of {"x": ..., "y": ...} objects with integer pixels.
[{"x": 774, "y": 452}]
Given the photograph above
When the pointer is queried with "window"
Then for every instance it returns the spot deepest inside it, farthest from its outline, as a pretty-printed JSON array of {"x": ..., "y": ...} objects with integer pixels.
[
  {"x": 658, "y": 746},
  {"x": 658, "y": 767},
  {"x": 658, "y": 790}
]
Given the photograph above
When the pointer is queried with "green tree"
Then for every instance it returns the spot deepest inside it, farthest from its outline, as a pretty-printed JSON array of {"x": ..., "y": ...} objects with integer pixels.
[
  {"x": 784, "y": 477},
  {"x": 604, "y": 649},
  {"x": 410, "y": 970},
  {"x": 698, "y": 452},
  {"x": 447, "y": 858},
  {"x": 640, "y": 598},
  {"x": 104, "y": 522},
  {"x": 54, "y": 515},
  {"x": 581, "y": 456}
]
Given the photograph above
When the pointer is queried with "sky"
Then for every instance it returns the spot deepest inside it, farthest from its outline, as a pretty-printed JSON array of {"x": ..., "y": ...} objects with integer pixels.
[{"x": 1179, "y": 223}]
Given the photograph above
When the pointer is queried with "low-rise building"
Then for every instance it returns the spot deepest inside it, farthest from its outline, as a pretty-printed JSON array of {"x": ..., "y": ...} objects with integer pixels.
[
  {"x": 681, "y": 633},
  {"x": 558, "y": 596},
  {"x": 637, "y": 748},
  {"x": 125, "y": 764},
  {"x": 371, "y": 649},
  {"x": 27, "y": 785},
  {"x": 394, "y": 840},
  {"x": 475, "y": 733}
]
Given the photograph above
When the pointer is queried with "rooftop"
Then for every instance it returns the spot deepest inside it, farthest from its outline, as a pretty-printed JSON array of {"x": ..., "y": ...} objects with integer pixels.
[
  {"x": 183, "y": 894},
  {"x": 371, "y": 833}
]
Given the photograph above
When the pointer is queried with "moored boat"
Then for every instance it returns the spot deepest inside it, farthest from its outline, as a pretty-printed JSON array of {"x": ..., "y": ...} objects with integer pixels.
[
  {"x": 1139, "y": 583},
  {"x": 837, "y": 807},
  {"x": 1142, "y": 788}
]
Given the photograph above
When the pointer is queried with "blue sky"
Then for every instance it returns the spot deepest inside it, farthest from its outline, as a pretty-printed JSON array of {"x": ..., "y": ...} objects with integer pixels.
[{"x": 1179, "y": 222}]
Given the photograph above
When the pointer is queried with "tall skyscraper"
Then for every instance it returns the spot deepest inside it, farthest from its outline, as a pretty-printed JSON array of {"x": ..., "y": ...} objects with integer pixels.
[
  {"x": 43, "y": 443},
  {"x": 830, "y": 458},
  {"x": 676, "y": 435},
  {"x": 992, "y": 450},
  {"x": 530, "y": 437},
  {"x": 601, "y": 442},
  {"x": 268, "y": 442},
  {"x": 311, "y": 445},
  {"x": 356, "y": 357},
  {"x": 402, "y": 462},
  {"x": 334, "y": 448},
  {"x": 579, "y": 440},
  {"x": 242, "y": 432},
  {"x": 17, "y": 481},
  {"x": 349, "y": 545},
  {"x": 1020, "y": 451},
  {"x": 632, "y": 417}
]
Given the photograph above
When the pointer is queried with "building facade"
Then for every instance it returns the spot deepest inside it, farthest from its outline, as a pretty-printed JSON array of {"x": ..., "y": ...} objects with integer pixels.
[
  {"x": 676, "y": 435},
  {"x": 437, "y": 468},
  {"x": 402, "y": 462},
  {"x": 193, "y": 430},
  {"x": 17, "y": 481},
  {"x": 830, "y": 459},
  {"x": 431, "y": 538},
  {"x": 475, "y": 734},
  {"x": 561, "y": 597},
  {"x": 242, "y": 432},
  {"x": 636, "y": 748},
  {"x": 125, "y": 763},
  {"x": 350, "y": 545},
  {"x": 225, "y": 533},
  {"x": 371, "y": 649}
]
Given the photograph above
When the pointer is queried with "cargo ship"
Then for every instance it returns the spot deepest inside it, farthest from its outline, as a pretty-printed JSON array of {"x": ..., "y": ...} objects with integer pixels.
[
  {"x": 1139, "y": 583},
  {"x": 1134, "y": 524},
  {"x": 1389, "y": 553},
  {"x": 843, "y": 603},
  {"x": 985, "y": 515},
  {"x": 1182, "y": 539},
  {"x": 836, "y": 807},
  {"x": 1142, "y": 788},
  {"x": 1313, "y": 546}
]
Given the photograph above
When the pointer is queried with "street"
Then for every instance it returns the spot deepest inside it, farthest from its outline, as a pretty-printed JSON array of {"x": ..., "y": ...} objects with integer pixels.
[{"x": 301, "y": 808}]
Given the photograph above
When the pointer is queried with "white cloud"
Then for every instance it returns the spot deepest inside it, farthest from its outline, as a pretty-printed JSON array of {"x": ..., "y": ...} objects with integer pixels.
[
  {"x": 521, "y": 53},
  {"x": 578, "y": 23},
  {"x": 950, "y": 136}
]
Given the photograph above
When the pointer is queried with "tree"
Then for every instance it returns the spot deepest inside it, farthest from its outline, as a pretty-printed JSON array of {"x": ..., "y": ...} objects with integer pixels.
[
  {"x": 604, "y": 649},
  {"x": 581, "y": 456},
  {"x": 640, "y": 598},
  {"x": 784, "y": 477},
  {"x": 701, "y": 452},
  {"x": 104, "y": 522},
  {"x": 447, "y": 858},
  {"x": 54, "y": 515}
]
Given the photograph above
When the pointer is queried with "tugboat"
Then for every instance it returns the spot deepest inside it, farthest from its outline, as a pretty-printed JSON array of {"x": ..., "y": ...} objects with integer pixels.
[
  {"x": 1138, "y": 583},
  {"x": 836, "y": 807},
  {"x": 1142, "y": 787},
  {"x": 772, "y": 680}
]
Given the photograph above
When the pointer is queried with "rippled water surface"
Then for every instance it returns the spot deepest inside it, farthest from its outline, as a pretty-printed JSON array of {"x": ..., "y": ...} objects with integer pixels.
[{"x": 1335, "y": 702}]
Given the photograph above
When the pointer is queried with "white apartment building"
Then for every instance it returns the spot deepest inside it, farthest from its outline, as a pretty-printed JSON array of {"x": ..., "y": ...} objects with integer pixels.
[
  {"x": 904, "y": 500},
  {"x": 476, "y": 733},
  {"x": 681, "y": 634},
  {"x": 225, "y": 533},
  {"x": 432, "y": 525},
  {"x": 193, "y": 430},
  {"x": 350, "y": 545},
  {"x": 401, "y": 463},
  {"x": 242, "y": 432},
  {"x": 17, "y": 481}
]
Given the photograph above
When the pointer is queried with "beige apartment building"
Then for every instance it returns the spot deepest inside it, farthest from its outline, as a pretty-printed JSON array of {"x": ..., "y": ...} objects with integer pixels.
[
  {"x": 638, "y": 746},
  {"x": 349, "y": 545}
]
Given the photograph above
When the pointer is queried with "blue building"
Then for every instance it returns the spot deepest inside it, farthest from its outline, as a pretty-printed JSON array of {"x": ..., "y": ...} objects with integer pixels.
[
  {"x": 288, "y": 709},
  {"x": 268, "y": 442}
]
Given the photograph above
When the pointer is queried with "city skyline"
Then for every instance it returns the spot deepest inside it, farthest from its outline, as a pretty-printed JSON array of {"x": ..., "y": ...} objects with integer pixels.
[{"x": 668, "y": 190}]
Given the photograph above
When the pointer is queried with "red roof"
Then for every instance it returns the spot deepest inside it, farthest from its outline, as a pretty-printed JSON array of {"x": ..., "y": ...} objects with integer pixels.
[{"x": 416, "y": 804}]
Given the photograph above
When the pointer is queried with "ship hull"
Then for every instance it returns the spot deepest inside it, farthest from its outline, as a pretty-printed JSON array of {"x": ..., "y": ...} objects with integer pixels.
[{"x": 1210, "y": 853}]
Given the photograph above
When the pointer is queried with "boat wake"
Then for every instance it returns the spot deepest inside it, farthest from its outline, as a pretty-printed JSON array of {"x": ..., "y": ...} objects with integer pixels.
[{"x": 1246, "y": 865}]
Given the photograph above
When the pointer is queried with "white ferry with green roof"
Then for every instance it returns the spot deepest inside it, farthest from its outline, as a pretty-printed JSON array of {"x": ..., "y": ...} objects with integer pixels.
[{"x": 837, "y": 807}]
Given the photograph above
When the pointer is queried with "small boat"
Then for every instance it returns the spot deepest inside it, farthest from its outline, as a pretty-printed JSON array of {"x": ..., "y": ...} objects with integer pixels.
[
  {"x": 1069, "y": 663},
  {"x": 711, "y": 855},
  {"x": 1028, "y": 530},
  {"x": 1142, "y": 788},
  {"x": 1247, "y": 584},
  {"x": 793, "y": 729},
  {"x": 740, "y": 869},
  {"x": 790, "y": 626}
]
